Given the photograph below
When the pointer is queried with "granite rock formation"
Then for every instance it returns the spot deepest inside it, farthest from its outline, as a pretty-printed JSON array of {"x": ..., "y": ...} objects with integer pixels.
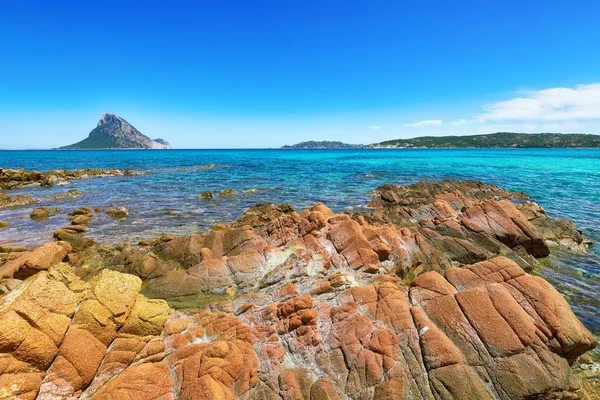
[
  {"x": 426, "y": 296},
  {"x": 16, "y": 201},
  {"x": 113, "y": 132},
  {"x": 17, "y": 178}
]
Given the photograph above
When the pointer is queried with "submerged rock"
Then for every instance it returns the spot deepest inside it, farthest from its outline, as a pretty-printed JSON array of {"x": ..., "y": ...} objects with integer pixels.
[
  {"x": 209, "y": 166},
  {"x": 206, "y": 195},
  {"x": 228, "y": 192}
]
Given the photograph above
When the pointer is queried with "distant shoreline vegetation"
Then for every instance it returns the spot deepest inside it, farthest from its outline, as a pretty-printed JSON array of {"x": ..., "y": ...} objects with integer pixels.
[
  {"x": 323, "y": 145},
  {"x": 498, "y": 140}
]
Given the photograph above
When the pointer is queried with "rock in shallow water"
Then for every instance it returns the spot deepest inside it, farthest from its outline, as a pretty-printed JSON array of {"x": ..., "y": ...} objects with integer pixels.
[
  {"x": 42, "y": 213},
  {"x": 303, "y": 305},
  {"x": 119, "y": 213},
  {"x": 69, "y": 194},
  {"x": 227, "y": 192},
  {"x": 16, "y": 201},
  {"x": 16, "y": 178}
]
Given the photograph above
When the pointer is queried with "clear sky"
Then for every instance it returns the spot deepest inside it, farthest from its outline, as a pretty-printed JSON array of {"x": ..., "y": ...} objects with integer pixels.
[{"x": 208, "y": 74}]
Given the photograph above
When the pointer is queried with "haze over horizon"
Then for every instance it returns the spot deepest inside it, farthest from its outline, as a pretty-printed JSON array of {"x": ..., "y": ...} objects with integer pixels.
[{"x": 234, "y": 75}]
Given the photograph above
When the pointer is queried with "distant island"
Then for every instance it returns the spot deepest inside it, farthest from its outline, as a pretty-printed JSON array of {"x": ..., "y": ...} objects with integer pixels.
[
  {"x": 113, "y": 132},
  {"x": 497, "y": 140},
  {"x": 323, "y": 145}
]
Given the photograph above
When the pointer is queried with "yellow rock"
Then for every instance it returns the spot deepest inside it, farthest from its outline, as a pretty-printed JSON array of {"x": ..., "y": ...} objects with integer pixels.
[{"x": 147, "y": 317}]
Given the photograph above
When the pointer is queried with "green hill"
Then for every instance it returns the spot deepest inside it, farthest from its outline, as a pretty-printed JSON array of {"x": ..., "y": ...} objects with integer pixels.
[
  {"x": 322, "y": 145},
  {"x": 497, "y": 140}
]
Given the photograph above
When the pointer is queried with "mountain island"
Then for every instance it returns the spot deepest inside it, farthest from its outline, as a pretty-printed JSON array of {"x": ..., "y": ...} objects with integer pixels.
[{"x": 113, "y": 132}]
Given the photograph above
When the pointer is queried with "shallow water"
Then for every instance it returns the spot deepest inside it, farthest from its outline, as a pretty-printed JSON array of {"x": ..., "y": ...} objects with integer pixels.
[{"x": 566, "y": 182}]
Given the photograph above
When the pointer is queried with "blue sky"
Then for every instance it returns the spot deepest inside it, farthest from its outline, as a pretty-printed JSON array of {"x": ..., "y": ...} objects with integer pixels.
[{"x": 266, "y": 73}]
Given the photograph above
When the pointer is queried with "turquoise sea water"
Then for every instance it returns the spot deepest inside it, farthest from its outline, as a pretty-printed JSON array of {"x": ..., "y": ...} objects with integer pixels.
[{"x": 566, "y": 182}]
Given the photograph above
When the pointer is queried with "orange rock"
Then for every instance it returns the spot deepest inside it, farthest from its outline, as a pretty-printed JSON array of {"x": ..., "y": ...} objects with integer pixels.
[
  {"x": 438, "y": 350},
  {"x": 142, "y": 381},
  {"x": 40, "y": 259},
  {"x": 485, "y": 329}
]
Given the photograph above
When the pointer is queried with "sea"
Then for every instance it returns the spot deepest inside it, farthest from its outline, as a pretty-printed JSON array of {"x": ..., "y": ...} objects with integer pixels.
[{"x": 166, "y": 199}]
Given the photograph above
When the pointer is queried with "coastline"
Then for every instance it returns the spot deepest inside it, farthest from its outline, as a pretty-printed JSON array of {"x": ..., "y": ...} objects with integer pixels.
[
  {"x": 320, "y": 149},
  {"x": 311, "y": 277}
]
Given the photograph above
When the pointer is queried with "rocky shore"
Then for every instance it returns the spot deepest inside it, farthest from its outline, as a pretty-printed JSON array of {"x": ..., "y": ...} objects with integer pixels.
[
  {"x": 17, "y": 178},
  {"x": 427, "y": 295}
]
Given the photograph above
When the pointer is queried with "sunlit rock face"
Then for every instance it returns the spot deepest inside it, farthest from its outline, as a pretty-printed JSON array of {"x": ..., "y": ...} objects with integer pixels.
[
  {"x": 113, "y": 132},
  {"x": 426, "y": 296}
]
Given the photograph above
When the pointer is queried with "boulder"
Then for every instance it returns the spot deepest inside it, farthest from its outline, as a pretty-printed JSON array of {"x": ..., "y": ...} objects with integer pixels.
[
  {"x": 73, "y": 234},
  {"x": 488, "y": 330},
  {"x": 16, "y": 178},
  {"x": 119, "y": 213},
  {"x": 11, "y": 248},
  {"x": 42, "y": 213},
  {"x": 69, "y": 194},
  {"x": 81, "y": 216},
  {"x": 423, "y": 297},
  {"x": 562, "y": 232},
  {"x": 15, "y": 201},
  {"x": 37, "y": 260},
  {"x": 227, "y": 192}
]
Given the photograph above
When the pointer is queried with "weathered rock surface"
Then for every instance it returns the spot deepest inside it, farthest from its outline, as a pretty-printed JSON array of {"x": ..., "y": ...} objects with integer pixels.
[
  {"x": 562, "y": 232},
  {"x": 409, "y": 231},
  {"x": 113, "y": 132},
  {"x": 119, "y": 213},
  {"x": 227, "y": 192},
  {"x": 44, "y": 212},
  {"x": 37, "y": 260},
  {"x": 11, "y": 248},
  {"x": 16, "y": 178},
  {"x": 81, "y": 216},
  {"x": 74, "y": 235},
  {"x": 485, "y": 331},
  {"x": 15, "y": 201},
  {"x": 404, "y": 205},
  {"x": 424, "y": 297},
  {"x": 69, "y": 194}
]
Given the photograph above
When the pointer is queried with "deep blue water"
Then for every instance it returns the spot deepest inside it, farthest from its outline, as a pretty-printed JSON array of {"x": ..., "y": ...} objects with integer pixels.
[{"x": 566, "y": 182}]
